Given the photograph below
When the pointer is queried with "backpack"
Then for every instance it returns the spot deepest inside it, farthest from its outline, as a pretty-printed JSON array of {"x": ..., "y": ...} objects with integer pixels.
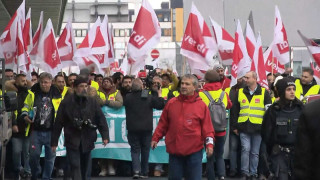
[{"x": 217, "y": 112}]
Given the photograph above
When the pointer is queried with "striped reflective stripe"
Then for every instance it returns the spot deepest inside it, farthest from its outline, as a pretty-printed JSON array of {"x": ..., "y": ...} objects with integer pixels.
[
  {"x": 257, "y": 108},
  {"x": 244, "y": 107},
  {"x": 250, "y": 115},
  {"x": 257, "y": 116}
]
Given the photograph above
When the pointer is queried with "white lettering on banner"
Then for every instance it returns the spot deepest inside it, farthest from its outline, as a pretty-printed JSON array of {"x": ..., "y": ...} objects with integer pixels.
[
  {"x": 139, "y": 39},
  {"x": 283, "y": 45},
  {"x": 124, "y": 131},
  {"x": 273, "y": 65},
  {"x": 235, "y": 68},
  {"x": 54, "y": 55},
  {"x": 112, "y": 135},
  {"x": 317, "y": 68},
  {"x": 9, "y": 55},
  {"x": 200, "y": 47}
]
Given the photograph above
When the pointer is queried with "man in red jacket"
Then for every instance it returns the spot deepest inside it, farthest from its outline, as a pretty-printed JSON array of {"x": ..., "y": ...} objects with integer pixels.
[
  {"x": 225, "y": 82},
  {"x": 186, "y": 123}
]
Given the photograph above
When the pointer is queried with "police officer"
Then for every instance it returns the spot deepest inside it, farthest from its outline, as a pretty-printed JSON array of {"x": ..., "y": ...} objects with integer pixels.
[{"x": 279, "y": 129}]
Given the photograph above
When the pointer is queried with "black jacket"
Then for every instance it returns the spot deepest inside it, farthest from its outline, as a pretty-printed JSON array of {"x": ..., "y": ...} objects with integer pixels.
[
  {"x": 139, "y": 111},
  {"x": 247, "y": 127},
  {"x": 307, "y": 156},
  {"x": 84, "y": 108},
  {"x": 268, "y": 129},
  {"x": 53, "y": 93}
]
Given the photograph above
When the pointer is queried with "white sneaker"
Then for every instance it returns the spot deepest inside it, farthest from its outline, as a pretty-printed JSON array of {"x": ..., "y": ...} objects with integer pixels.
[
  {"x": 103, "y": 172},
  {"x": 111, "y": 170}
]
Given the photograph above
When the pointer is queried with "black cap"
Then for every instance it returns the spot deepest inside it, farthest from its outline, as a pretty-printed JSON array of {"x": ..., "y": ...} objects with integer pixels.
[
  {"x": 79, "y": 80},
  {"x": 282, "y": 84}
]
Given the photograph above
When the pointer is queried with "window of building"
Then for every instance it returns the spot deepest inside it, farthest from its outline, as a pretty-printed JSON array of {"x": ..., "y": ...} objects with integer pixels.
[
  {"x": 166, "y": 32},
  {"x": 116, "y": 32}
]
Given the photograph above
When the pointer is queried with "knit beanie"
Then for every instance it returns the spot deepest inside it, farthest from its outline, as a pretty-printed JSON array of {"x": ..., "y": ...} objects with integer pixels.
[
  {"x": 79, "y": 80},
  {"x": 212, "y": 76},
  {"x": 282, "y": 84}
]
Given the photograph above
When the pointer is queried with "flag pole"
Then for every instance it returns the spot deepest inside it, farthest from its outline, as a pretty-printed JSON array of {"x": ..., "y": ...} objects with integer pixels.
[{"x": 272, "y": 65}]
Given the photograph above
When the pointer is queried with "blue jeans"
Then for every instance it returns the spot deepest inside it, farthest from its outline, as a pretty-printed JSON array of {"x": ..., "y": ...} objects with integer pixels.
[
  {"x": 140, "y": 143},
  {"x": 39, "y": 139},
  {"x": 250, "y": 146},
  {"x": 218, "y": 157},
  {"x": 190, "y": 166},
  {"x": 20, "y": 145},
  {"x": 234, "y": 143}
]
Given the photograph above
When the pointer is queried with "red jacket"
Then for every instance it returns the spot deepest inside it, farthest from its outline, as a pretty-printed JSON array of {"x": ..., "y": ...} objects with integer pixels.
[
  {"x": 186, "y": 123},
  {"x": 225, "y": 83},
  {"x": 215, "y": 86}
]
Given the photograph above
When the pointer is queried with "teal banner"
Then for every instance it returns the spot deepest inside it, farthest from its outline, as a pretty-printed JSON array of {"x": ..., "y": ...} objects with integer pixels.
[{"x": 118, "y": 147}]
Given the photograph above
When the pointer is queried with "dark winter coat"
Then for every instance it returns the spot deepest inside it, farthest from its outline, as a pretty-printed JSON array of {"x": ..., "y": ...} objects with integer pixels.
[
  {"x": 307, "y": 156},
  {"x": 139, "y": 111},
  {"x": 84, "y": 108},
  {"x": 268, "y": 129}
]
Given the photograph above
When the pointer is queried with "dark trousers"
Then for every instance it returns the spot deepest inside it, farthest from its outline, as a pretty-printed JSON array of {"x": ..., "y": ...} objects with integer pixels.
[
  {"x": 190, "y": 166},
  {"x": 281, "y": 165},
  {"x": 140, "y": 143},
  {"x": 217, "y": 158},
  {"x": 80, "y": 163}
]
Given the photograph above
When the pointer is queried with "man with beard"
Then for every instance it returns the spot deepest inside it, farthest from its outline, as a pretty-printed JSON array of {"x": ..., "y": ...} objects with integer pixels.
[
  {"x": 225, "y": 82},
  {"x": 80, "y": 115},
  {"x": 71, "y": 78},
  {"x": 126, "y": 86},
  {"x": 20, "y": 142},
  {"x": 60, "y": 82}
]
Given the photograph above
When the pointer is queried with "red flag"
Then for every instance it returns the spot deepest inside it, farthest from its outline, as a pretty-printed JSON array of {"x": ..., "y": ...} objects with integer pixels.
[
  {"x": 250, "y": 44},
  {"x": 93, "y": 48},
  {"x": 145, "y": 35},
  {"x": 280, "y": 47},
  {"x": 241, "y": 62},
  {"x": 8, "y": 39},
  {"x": 316, "y": 71},
  {"x": 36, "y": 37},
  {"x": 314, "y": 48},
  {"x": 259, "y": 63},
  {"x": 198, "y": 45},
  {"x": 48, "y": 58},
  {"x": 272, "y": 64},
  {"x": 27, "y": 32},
  {"x": 67, "y": 46},
  {"x": 225, "y": 43},
  {"x": 22, "y": 56}
]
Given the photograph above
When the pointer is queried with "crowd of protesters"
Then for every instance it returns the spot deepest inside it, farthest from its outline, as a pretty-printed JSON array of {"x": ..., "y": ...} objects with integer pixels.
[{"x": 266, "y": 137}]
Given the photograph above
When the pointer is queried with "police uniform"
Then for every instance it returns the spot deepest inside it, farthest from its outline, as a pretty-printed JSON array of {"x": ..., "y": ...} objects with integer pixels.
[{"x": 279, "y": 132}]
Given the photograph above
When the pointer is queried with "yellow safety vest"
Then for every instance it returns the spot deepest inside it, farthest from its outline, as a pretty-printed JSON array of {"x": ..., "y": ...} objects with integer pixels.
[
  {"x": 64, "y": 92},
  {"x": 299, "y": 90},
  {"x": 101, "y": 95},
  {"x": 253, "y": 110},
  {"x": 95, "y": 84},
  {"x": 112, "y": 97},
  {"x": 227, "y": 90},
  {"x": 29, "y": 102},
  {"x": 176, "y": 93},
  {"x": 215, "y": 95}
]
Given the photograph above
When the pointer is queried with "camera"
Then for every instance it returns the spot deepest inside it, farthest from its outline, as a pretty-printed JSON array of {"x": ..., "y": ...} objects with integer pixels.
[{"x": 80, "y": 123}]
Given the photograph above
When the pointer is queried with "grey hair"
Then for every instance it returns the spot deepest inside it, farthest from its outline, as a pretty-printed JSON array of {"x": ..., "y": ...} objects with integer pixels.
[
  {"x": 254, "y": 74},
  {"x": 195, "y": 81},
  {"x": 136, "y": 85},
  {"x": 45, "y": 75},
  {"x": 157, "y": 77}
]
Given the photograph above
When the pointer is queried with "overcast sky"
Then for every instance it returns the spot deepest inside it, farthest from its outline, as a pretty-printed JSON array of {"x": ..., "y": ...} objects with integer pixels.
[{"x": 156, "y": 4}]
